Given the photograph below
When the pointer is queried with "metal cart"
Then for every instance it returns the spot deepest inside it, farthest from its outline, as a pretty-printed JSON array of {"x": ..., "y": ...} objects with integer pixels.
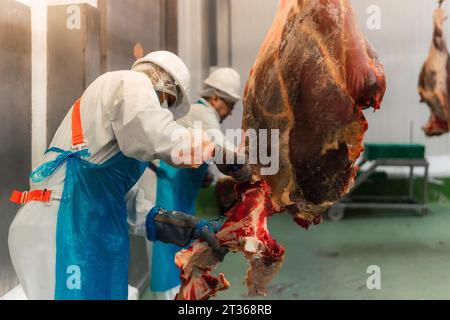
[{"x": 412, "y": 156}]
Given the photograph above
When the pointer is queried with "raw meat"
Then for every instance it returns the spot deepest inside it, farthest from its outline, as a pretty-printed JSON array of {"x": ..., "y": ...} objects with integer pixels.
[
  {"x": 434, "y": 82},
  {"x": 314, "y": 75},
  {"x": 245, "y": 230}
]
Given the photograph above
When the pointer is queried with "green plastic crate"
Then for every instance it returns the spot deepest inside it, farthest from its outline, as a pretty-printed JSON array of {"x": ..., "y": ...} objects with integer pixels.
[{"x": 394, "y": 151}]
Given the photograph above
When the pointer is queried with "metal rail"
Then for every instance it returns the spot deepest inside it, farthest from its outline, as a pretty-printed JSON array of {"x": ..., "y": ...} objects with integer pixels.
[{"x": 408, "y": 202}]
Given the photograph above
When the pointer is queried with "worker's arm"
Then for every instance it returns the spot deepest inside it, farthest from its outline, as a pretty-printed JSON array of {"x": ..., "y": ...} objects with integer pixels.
[
  {"x": 179, "y": 228},
  {"x": 138, "y": 208},
  {"x": 157, "y": 224},
  {"x": 232, "y": 164},
  {"x": 227, "y": 159},
  {"x": 172, "y": 227},
  {"x": 146, "y": 131},
  {"x": 140, "y": 200},
  {"x": 167, "y": 226},
  {"x": 200, "y": 115}
]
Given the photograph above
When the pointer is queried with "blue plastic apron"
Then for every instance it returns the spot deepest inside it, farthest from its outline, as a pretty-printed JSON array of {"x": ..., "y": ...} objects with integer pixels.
[
  {"x": 177, "y": 189},
  {"x": 92, "y": 232}
]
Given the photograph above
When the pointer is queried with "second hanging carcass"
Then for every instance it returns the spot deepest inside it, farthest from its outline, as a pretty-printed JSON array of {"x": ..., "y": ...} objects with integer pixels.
[{"x": 434, "y": 81}]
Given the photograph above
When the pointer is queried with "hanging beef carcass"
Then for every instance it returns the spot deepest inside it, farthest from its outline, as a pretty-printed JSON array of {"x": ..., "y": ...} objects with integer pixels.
[
  {"x": 314, "y": 75},
  {"x": 434, "y": 82}
]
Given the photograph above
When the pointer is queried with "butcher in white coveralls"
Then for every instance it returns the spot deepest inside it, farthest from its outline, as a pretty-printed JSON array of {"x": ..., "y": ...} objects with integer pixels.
[{"x": 69, "y": 240}]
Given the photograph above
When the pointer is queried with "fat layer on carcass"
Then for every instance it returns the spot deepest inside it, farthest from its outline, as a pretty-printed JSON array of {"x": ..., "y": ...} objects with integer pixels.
[
  {"x": 312, "y": 79},
  {"x": 434, "y": 81},
  {"x": 314, "y": 75}
]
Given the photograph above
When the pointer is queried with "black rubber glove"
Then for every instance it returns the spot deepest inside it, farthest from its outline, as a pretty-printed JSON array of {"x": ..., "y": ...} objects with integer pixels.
[
  {"x": 203, "y": 233},
  {"x": 180, "y": 229},
  {"x": 240, "y": 172},
  {"x": 208, "y": 180}
]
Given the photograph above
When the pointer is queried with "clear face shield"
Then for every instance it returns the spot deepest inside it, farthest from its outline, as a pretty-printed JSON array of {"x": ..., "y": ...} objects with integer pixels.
[
  {"x": 168, "y": 100},
  {"x": 169, "y": 94}
]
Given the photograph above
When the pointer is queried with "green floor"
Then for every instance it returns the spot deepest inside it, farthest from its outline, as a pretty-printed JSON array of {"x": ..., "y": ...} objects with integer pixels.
[{"x": 330, "y": 261}]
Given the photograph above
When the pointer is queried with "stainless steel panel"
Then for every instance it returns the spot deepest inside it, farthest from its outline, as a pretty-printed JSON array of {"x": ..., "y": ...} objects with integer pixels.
[
  {"x": 212, "y": 32},
  {"x": 73, "y": 60},
  {"x": 169, "y": 29},
  {"x": 223, "y": 16},
  {"x": 205, "y": 35},
  {"x": 15, "y": 121},
  {"x": 139, "y": 272},
  {"x": 126, "y": 25}
]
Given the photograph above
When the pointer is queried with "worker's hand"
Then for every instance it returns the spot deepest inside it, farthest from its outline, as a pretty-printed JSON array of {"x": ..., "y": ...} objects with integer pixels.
[
  {"x": 208, "y": 180},
  {"x": 194, "y": 149},
  {"x": 203, "y": 232},
  {"x": 180, "y": 229},
  {"x": 226, "y": 194},
  {"x": 240, "y": 172}
]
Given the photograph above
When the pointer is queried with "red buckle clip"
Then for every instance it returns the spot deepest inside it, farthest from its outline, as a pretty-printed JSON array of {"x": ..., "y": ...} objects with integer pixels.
[{"x": 24, "y": 197}]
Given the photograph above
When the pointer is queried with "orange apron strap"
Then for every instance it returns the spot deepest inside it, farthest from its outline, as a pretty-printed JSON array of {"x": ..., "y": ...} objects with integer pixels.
[
  {"x": 28, "y": 196},
  {"x": 77, "y": 128},
  {"x": 16, "y": 197}
]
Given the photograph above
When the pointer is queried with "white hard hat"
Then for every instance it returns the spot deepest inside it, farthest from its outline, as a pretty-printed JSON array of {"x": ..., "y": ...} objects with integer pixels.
[
  {"x": 173, "y": 65},
  {"x": 226, "y": 80}
]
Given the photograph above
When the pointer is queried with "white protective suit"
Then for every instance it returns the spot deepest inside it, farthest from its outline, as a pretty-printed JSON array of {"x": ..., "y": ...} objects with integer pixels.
[
  {"x": 120, "y": 111},
  {"x": 209, "y": 118},
  {"x": 202, "y": 112}
]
